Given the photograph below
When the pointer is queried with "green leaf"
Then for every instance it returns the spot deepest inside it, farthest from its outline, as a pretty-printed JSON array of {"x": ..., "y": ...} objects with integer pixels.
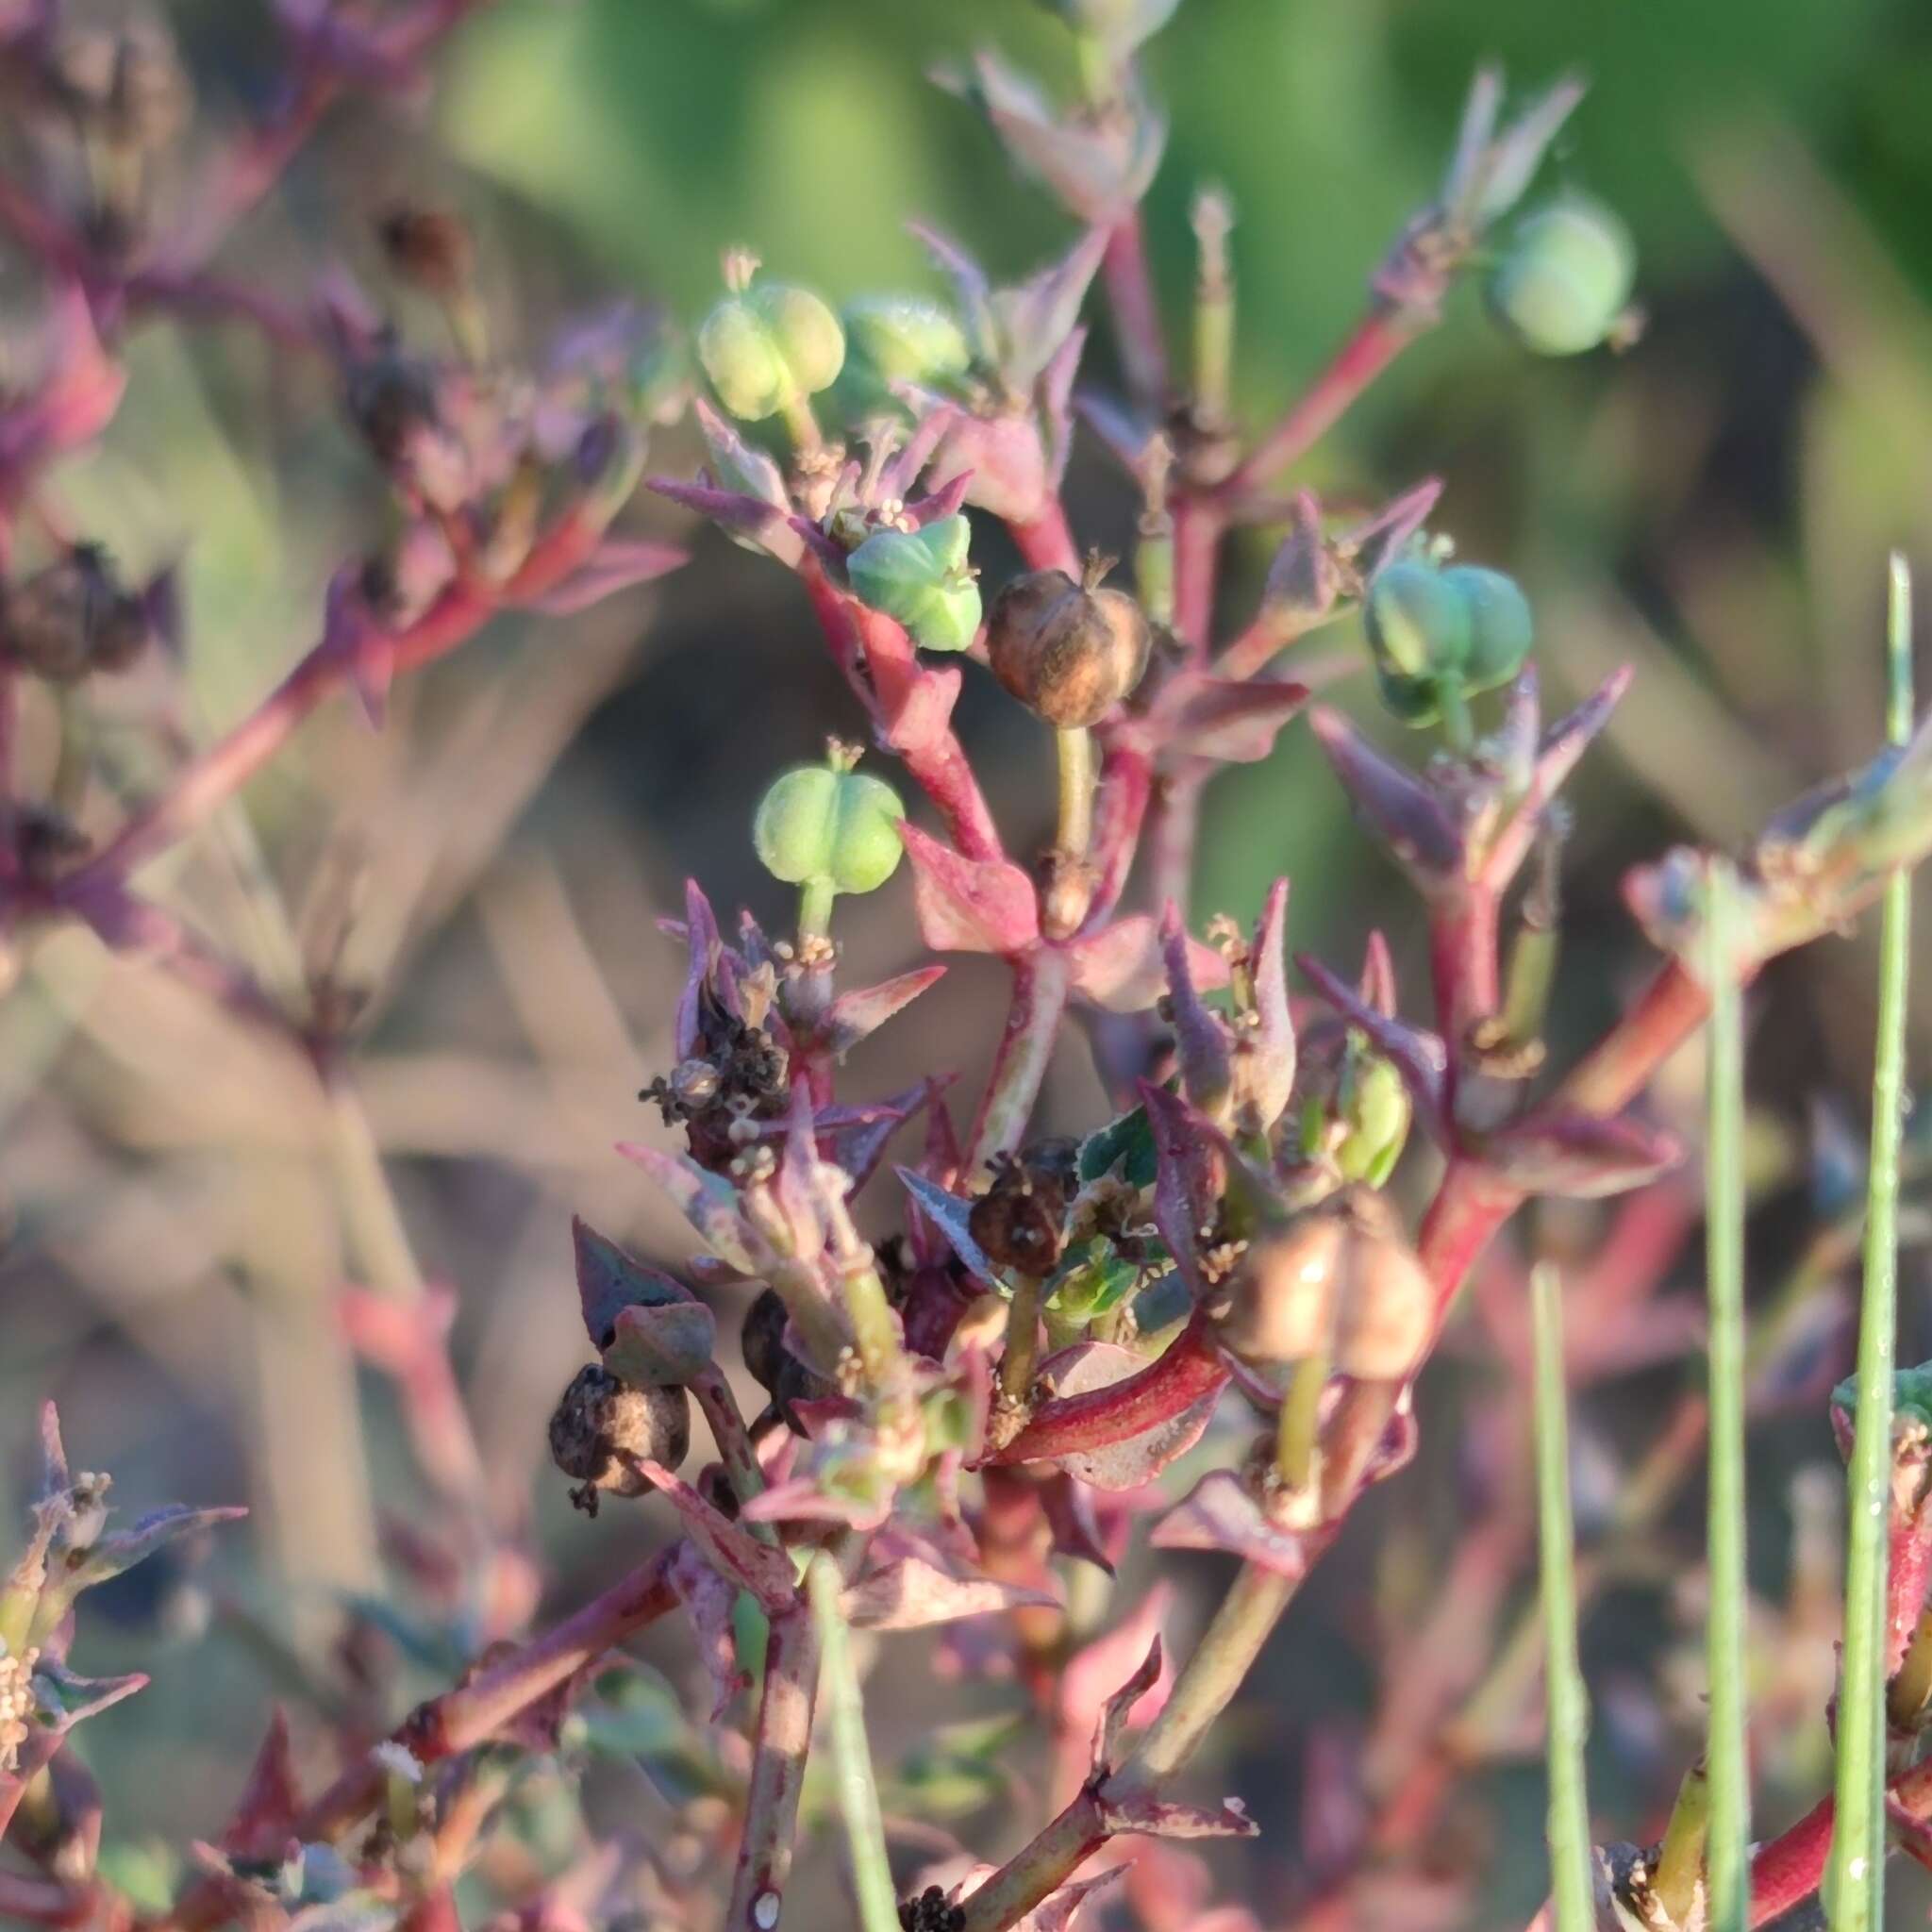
[{"x": 1124, "y": 1148}]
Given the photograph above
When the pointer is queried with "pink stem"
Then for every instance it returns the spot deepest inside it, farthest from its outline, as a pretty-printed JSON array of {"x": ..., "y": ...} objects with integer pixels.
[
  {"x": 1463, "y": 963},
  {"x": 1019, "y": 1063},
  {"x": 1136, "y": 315},
  {"x": 1126, "y": 781},
  {"x": 1378, "y": 339},
  {"x": 224, "y": 767},
  {"x": 1171, "y": 842},
  {"x": 898, "y": 693},
  {"x": 1198, "y": 528},
  {"x": 777, "y": 1774},
  {"x": 1046, "y": 542}
]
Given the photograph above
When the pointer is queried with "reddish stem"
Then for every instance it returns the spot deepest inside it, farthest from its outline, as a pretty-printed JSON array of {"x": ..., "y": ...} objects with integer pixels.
[
  {"x": 220, "y": 770},
  {"x": 1172, "y": 838},
  {"x": 1127, "y": 782},
  {"x": 909, "y": 707},
  {"x": 1463, "y": 962},
  {"x": 1198, "y": 528},
  {"x": 1136, "y": 315},
  {"x": 1670, "y": 1009},
  {"x": 1020, "y": 1062},
  {"x": 1378, "y": 339},
  {"x": 1046, "y": 541},
  {"x": 777, "y": 1774},
  {"x": 1167, "y": 1387}
]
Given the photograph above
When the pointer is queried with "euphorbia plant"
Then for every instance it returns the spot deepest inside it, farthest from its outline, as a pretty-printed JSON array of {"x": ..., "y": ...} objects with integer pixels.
[{"x": 971, "y": 1407}]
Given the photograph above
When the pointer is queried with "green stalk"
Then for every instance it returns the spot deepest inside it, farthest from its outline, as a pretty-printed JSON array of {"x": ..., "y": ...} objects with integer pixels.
[
  {"x": 858, "y": 1797},
  {"x": 1855, "y": 1881},
  {"x": 1572, "y": 1889},
  {"x": 815, "y": 898},
  {"x": 1730, "y": 1793}
]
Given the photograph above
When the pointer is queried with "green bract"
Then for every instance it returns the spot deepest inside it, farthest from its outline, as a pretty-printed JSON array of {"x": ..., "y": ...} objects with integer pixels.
[
  {"x": 769, "y": 346},
  {"x": 923, "y": 579},
  {"x": 1564, "y": 277},
  {"x": 905, "y": 339},
  {"x": 1440, "y": 637},
  {"x": 821, "y": 824},
  {"x": 1376, "y": 1110}
]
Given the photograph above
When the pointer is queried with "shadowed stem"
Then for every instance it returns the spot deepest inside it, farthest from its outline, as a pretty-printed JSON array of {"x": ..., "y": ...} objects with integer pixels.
[
  {"x": 777, "y": 1775},
  {"x": 1033, "y": 1020},
  {"x": 858, "y": 1797}
]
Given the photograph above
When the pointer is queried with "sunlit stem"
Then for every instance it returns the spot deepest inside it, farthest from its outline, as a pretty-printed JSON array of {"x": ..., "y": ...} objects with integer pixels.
[
  {"x": 1301, "y": 1414},
  {"x": 1572, "y": 1888},
  {"x": 1730, "y": 1794},
  {"x": 1855, "y": 1881}
]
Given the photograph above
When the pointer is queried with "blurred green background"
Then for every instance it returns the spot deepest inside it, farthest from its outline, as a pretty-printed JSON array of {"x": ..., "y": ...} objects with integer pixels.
[{"x": 1714, "y": 506}]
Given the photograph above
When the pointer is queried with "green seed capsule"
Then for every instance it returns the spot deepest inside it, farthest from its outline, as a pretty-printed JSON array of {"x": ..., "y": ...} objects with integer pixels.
[
  {"x": 823, "y": 823},
  {"x": 1418, "y": 623},
  {"x": 1500, "y": 628},
  {"x": 924, "y": 578},
  {"x": 768, "y": 346},
  {"x": 1564, "y": 277},
  {"x": 904, "y": 338}
]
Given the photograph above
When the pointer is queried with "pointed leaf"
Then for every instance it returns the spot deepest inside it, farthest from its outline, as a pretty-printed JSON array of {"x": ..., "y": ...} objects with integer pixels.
[
  {"x": 263, "y": 1819},
  {"x": 1135, "y": 1461},
  {"x": 1233, "y": 721},
  {"x": 1219, "y": 1513},
  {"x": 911, "y": 1592},
  {"x": 1579, "y": 1156},
  {"x": 609, "y": 1281},
  {"x": 1207, "y": 1060},
  {"x": 967, "y": 904},
  {"x": 1124, "y": 966},
  {"x": 1394, "y": 804},
  {"x": 1115, "y": 1712},
  {"x": 707, "y": 1200},
  {"x": 858, "y": 1014},
  {"x": 952, "y": 1216},
  {"x": 739, "y": 1557},
  {"x": 1418, "y": 1057}
]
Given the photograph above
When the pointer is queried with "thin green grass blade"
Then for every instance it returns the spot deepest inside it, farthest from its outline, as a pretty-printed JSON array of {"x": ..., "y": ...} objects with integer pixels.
[
  {"x": 1855, "y": 1881},
  {"x": 1571, "y": 1883},
  {"x": 858, "y": 1797},
  {"x": 1730, "y": 1791}
]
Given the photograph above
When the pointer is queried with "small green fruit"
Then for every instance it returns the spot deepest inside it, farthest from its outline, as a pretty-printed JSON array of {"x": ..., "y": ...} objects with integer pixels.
[
  {"x": 1440, "y": 637},
  {"x": 767, "y": 346},
  {"x": 905, "y": 339},
  {"x": 923, "y": 579},
  {"x": 1564, "y": 277},
  {"x": 1500, "y": 627},
  {"x": 821, "y": 822}
]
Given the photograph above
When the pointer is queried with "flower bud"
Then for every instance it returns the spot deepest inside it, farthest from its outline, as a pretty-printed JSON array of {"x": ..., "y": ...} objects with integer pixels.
[
  {"x": 1564, "y": 277},
  {"x": 1340, "y": 1281},
  {"x": 602, "y": 1429},
  {"x": 1069, "y": 652},
  {"x": 430, "y": 248},
  {"x": 905, "y": 339},
  {"x": 923, "y": 580},
  {"x": 767, "y": 346},
  {"x": 822, "y": 822}
]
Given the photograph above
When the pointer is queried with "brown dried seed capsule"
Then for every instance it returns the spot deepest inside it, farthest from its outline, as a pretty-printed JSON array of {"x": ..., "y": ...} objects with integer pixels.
[
  {"x": 602, "y": 1428},
  {"x": 428, "y": 247},
  {"x": 1342, "y": 1279},
  {"x": 1069, "y": 652},
  {"x": 762, "y": 1338},
  {"x": 1017, "y": 1222},
  {"x": 73, "y": 616},
  {"x": 930, "y": 1911}
]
